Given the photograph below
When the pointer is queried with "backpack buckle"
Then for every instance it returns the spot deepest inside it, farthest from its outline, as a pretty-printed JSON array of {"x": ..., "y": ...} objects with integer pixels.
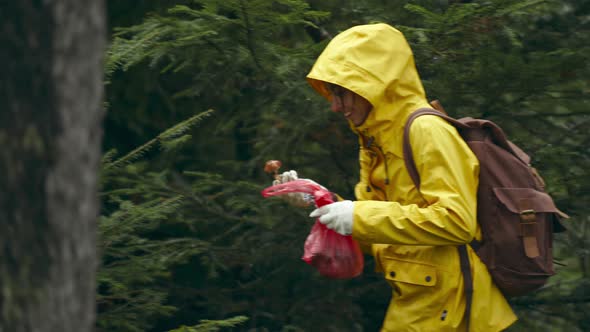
[
  {"x": 528, "y": 216},
  {"x": 528, "y": 223}
]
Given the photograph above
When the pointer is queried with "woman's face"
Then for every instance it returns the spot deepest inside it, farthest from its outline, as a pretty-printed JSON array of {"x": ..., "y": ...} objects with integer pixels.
[{"x": 354, "y": 107}]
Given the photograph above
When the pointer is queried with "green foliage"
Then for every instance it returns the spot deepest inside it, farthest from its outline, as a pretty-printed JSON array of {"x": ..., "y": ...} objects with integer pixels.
[
  {"x": 138, "y": 202},
  {"x": 185, "y": 234},
  {"x": 233, "y": 29},
  {"x": 169, "y": 140},
  {"x": 212, "y": 325}
]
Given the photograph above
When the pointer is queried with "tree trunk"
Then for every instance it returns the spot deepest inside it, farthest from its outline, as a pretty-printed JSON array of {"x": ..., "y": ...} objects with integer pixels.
[{"x": 51, "y": 92}]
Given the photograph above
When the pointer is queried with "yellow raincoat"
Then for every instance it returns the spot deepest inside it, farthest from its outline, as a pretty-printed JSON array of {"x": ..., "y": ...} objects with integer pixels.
[{"x": 412, "y": 234}]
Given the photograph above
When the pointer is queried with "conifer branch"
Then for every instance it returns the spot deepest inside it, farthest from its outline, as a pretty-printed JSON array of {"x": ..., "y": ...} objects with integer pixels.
[
  {"x": 212, "y": 325},
  {"x": 164, "y": 137},
  {"x": 249, "y": 34}
]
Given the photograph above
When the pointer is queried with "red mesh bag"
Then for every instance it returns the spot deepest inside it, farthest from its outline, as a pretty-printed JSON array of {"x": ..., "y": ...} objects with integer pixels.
[{"x": 333, "y": 255}]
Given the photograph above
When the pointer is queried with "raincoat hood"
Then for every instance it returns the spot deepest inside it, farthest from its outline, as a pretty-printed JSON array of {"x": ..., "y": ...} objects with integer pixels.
[{"x": 376, "y": 62}]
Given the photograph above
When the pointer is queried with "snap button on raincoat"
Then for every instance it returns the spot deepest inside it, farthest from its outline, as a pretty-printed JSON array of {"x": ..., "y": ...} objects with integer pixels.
[{"x": 412, "y": 234}]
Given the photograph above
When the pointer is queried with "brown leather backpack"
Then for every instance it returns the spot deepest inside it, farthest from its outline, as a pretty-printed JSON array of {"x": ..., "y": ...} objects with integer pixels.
[{"x": 517, "y": 217}]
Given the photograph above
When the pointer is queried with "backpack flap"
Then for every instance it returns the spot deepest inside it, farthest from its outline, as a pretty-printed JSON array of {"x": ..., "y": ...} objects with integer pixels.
[
  {"x": 542, "y": 203},
  {"x": 527, "y": 203}
]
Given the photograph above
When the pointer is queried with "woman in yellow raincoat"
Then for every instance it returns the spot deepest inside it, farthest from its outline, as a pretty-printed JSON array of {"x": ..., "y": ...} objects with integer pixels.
[{"x": 368, "y": 74}]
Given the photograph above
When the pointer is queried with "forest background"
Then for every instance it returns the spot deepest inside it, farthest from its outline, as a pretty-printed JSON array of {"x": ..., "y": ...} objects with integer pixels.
[{"x": 201, "y": 93}]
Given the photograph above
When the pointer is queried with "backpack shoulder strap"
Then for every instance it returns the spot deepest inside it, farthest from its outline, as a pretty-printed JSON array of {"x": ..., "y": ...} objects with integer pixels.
[
  {"x": 411, "y": 167},
  {"x": 407, "y": 146},
  {"x": 496, "y": 133},
  {"x": 467, "y": 282}
]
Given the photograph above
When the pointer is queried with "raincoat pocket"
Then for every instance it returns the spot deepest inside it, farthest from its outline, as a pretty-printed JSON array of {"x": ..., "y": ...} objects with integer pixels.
[
  {"x": 410, "y": 280},
  {"x": 410, "y": 272}
]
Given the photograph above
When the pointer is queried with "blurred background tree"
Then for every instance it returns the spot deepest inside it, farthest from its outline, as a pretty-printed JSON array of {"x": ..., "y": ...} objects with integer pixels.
[
  {"x": 51, "y": 111},
  {"x": 186, "y": 236}
]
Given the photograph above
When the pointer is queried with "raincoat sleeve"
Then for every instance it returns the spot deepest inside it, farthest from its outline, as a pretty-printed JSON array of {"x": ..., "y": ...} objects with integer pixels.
[{"x": 449, "y": 177}]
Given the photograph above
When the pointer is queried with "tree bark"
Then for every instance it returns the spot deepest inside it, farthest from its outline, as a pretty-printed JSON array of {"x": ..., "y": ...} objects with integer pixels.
[{"x": 51, "y": 92}]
